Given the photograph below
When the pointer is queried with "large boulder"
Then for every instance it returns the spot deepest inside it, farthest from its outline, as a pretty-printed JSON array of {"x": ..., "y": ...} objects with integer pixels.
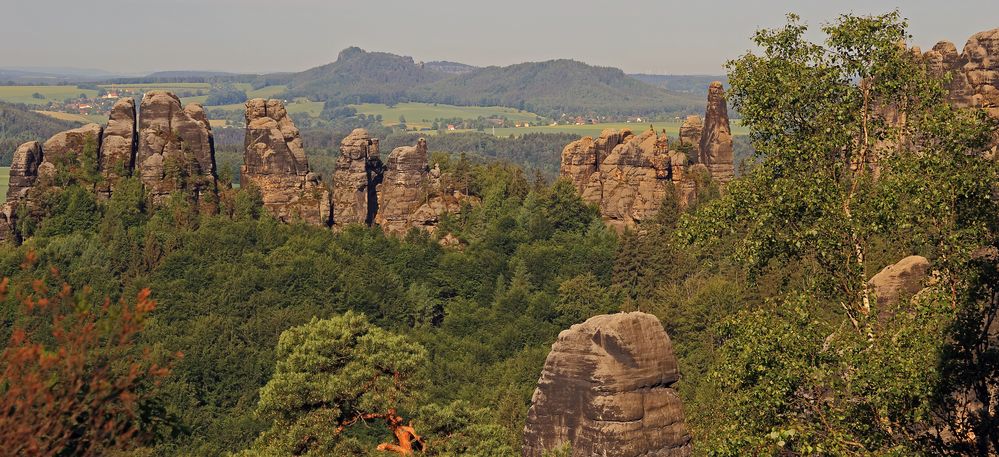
[
  {"x": 716, "y": 149},
  {"x": 118, "y": 146},
  {"x": 606, "y": 390},
  {"x": 900, "y": 280},
  {"x": 356, "y": 175},
  {"x": 274, "y": 162},
  {"x": 176, "y": 149}
]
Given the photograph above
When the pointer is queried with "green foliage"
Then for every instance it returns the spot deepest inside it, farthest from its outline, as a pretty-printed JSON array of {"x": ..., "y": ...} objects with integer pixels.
[
  {"x": 813, "y": 365},
  {"x": 330, "y": 373}
]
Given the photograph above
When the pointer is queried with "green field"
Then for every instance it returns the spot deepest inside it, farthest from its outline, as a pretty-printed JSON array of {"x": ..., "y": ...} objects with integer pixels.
[
  {"x": 4, "y": 181},
  {"x": 22, "y": 94},
  {"x": 294, "y": 107},
  {"x": 672, "y": 128},
  {"x": 422, "y": 115},
  {"x": 83, "y": 118}
]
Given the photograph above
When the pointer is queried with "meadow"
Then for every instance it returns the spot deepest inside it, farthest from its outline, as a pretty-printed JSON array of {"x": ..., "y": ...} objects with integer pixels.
[
  {"x": 23, "y": 94},
  {"x": 422, "y": 115},
  {"x": 593, "y": 130}
]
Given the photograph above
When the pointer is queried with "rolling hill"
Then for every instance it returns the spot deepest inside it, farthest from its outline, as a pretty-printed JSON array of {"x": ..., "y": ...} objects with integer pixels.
[
  {"x": 359, "y": 76},
  {"x": 550, "y": 88}
]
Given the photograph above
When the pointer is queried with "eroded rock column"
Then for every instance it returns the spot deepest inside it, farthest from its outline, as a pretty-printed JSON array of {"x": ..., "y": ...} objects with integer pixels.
[{"x": 274, "y": 161}]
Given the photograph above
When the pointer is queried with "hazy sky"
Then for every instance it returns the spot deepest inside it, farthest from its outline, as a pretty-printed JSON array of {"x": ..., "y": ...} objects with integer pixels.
[{"x": 652, "y": 36}]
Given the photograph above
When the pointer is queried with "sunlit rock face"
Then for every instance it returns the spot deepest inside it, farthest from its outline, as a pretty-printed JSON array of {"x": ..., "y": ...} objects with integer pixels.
[
  {"x": 606, "y": 390},
  {"x": 274, "y": 162},
  {"x": 118, "y": 146},
  {"x": 176, "y": 150},
  {"x": 716, "y": 150},
  {"x": 357, "y": 173},
  {"x": 628, "y": 176}
]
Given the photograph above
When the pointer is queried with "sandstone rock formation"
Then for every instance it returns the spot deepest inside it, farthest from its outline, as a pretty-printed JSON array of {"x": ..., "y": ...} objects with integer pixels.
[
  {"x": 626, "y": 175},
  {"x": 118, "y": 146},
  {"x": 176, "y": 149},
  {"x": 24, "y": 170},
  {"x": 690, "y": 135},
  {"x": 357, "y": 173},
  {"x": 274, "y": 161},
  {"x": 902, "y": 279},
  {"x": 411, "y": 194},
  {"x": 66, "y": 149},
  {"x": 606, "y": 389},
  {"x": 975, "y": 72},
  {"x": 716, "y": 149},
  {"x": 23, "y": 174}
]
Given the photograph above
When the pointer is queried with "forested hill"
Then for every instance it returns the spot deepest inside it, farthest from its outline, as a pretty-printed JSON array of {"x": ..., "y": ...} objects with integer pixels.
[
  {"x": 359, "y": 76},
  {"x": 555, "y": 87},
  {"x": 549, "y": 88},
  {"x": 692, "y": 84},
  {"x": 18, "y": 124}
]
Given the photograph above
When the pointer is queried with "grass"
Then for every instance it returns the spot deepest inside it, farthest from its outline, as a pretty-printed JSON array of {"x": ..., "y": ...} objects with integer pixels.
[
  {"x": 4, "y": 181},
  {"x": 422, "y": 115},
  {"x": 672, "y": 128},
  {"x": 84, "y": 118},
  {"x": 23, "y": 94}
]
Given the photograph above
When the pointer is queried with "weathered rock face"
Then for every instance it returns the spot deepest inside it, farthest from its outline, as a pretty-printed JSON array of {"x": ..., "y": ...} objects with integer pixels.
[
  {"x": 274, "y": 161},
  {"x": 176, "y": 149},
  {"x": 902, "y": 279},
  {"x": 357, "y": 173},
  {"x": 24, "y": 170},
  {"x": 975, "y": 71},
  {"x": 405, "y": 187},
  {"x": 627, "y": 176},
  {"x": 606, "y": 390},
  {"x": 66, "y": 149},
  {"x": 716, "y": 149},
  {"x": 690, "y": 135},
  {"x": 582, "y": 158},
  {"x": 118, "y": 146},
  {"x": 411, "y": 194},
  {"x": 23, "y": 173}
]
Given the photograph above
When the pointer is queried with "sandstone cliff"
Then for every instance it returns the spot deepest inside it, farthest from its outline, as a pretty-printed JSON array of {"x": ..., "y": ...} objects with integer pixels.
[
  {"x": 975, "y": 71},
  {"x": 176, "y": 149},
  {"x": 274, "y": 162},
  {"x": 357, "y": 173},
  {"x": 412, "y": 194},
  {"x": 606, "y": 389},
  {"x": 118, "y": 146},
  {"x": 23, "y": 174},
  {"x": 628, "y": 176}
]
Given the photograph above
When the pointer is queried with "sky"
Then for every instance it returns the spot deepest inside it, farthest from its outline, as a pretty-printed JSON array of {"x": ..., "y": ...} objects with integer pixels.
[{"x": 257, "y": 36}]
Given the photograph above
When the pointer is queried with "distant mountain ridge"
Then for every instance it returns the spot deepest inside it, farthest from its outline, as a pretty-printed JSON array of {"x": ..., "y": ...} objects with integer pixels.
[
  {"x": 551, "y": 88},
  {"x": 696, "y": 84}
]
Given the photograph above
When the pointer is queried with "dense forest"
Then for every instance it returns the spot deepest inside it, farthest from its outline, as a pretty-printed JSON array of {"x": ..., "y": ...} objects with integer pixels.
[{"x": 168, "y": 331}]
